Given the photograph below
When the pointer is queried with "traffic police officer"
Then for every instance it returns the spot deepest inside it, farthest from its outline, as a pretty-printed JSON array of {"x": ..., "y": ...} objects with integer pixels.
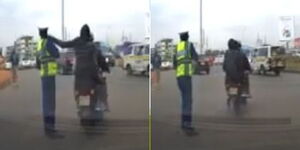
[
  {"x": 183, "y": 63},
  {"x": 46, "y": 62}
]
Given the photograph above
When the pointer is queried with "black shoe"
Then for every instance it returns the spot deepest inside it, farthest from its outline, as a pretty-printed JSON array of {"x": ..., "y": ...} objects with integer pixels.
[
  {"x": 53, "y": 134},
  {"x": 189, "y": 131}
]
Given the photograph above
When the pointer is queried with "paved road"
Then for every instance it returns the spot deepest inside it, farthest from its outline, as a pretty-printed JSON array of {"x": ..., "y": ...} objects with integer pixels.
[
  {"x": 125, "y": 127},
  {"x": 271, "y": 119}
]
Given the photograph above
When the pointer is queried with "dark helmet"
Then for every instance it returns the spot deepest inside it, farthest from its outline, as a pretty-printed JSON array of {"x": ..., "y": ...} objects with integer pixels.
[
  {"x": 234, "y": 44},
  {"x": 43, "y": 32},
  {"x": 85, "y": 33},
  {"x": 184, "y": 36}
]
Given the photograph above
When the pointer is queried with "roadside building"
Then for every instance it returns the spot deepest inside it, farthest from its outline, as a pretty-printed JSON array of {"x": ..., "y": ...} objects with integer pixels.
[
  {"x": 25, "y": 46},
  {"x": 165, "y": 47},
  {"x": 8, "y": 51}
]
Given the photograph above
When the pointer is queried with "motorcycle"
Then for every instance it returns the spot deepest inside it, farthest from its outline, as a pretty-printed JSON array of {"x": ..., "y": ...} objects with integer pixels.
[
  {"x": 235, "y": 96},
  {"x": 89, "y": 104},
  {"x": 238, "y": 93}
]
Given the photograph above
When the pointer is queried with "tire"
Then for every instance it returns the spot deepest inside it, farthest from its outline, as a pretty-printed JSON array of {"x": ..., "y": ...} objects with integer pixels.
[
  {"x": 277, "y": 72},
  {"x": 88, "y": 122},
  {"x": 228, "y": 101},
  {"x": 86, "y": 118},
  {"x": 236, "y": 104},
  {"x": 207, "y": 71},
  {"x": 129, "y": 70},
  {"x": 243, "y": 100},
  {"x": 99, "y": 117},
  {"x": 84, "y": 122},
  {"x": 258, "y": 71},
  {"x": 262, "y": 70}
]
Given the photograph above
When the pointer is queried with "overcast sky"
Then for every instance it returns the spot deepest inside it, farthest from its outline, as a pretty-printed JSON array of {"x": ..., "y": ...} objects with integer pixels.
[
  {"x": 109, "y": 17},
  {"x": 222, "y": 19},
  {"x": 241, "y": 19}
]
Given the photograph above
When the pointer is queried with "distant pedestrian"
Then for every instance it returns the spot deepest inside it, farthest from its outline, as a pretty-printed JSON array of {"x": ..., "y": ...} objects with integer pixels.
[
  {"x": 14, "y": 59},
  {"x": 156, "y": 64}
]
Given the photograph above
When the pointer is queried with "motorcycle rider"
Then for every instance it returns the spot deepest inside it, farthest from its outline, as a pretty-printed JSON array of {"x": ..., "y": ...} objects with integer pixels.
[
  {"x": 88, "y": 60},
  {"x": 237, "y": 67}
]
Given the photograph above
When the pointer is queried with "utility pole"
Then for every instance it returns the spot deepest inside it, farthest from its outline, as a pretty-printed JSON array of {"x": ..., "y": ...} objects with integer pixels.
[
  {"x": 206, "y": 42},
  {"x": 148, "y": 23},
  {"x": 201, "y": 34},
  {"x": 62, "y": 20},
  {"x": 66, "y": 34}
]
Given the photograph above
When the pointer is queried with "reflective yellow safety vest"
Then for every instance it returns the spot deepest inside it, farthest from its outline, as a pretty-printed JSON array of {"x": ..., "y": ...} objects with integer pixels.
[
  {"x": 48, "y": 62},
  {"x": 184, "y": 59}
]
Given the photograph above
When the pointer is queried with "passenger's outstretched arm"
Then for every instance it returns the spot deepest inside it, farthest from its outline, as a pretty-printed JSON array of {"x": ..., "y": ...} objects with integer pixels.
[{"x": 63, "y": 44}]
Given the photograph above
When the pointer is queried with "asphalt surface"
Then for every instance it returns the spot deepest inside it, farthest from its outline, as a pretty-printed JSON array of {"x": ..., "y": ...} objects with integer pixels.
[
  {"x": 124, "y": 128},
  {"x": 270, "y": 121}
]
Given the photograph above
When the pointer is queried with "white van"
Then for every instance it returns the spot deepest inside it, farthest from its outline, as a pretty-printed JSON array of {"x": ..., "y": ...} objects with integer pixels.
[
  {"x": 137, "y": 60},
  {"x": 268, "y": 59}
]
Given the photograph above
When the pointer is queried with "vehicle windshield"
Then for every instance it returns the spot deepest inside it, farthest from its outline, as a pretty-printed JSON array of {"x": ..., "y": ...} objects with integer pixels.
[
  {"x": 262, "y": 52},
  {"x": 139, "y": 50},
  {"x": 275, "y": 51}
]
